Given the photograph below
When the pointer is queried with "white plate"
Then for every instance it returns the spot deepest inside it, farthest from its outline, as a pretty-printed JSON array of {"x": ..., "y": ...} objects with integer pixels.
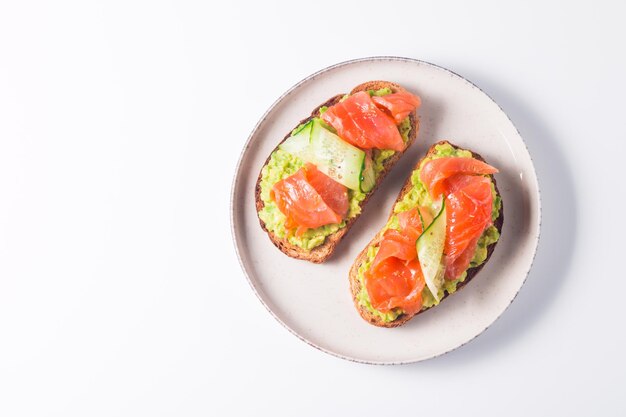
[{"x": 314, "y": 301}]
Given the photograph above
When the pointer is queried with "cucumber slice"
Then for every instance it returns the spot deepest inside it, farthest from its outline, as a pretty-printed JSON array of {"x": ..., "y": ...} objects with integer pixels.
[
  {"x": 335, "y": 157},
  {"x": 332, "y": 155},
  {"x": 430, "y": 246},
  {"x": 298, "y": 143},
  {"x": 368, "y": 176}
]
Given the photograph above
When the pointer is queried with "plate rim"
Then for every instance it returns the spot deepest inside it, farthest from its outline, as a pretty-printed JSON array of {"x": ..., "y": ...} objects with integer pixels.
[{"x": 235, "y": 182}]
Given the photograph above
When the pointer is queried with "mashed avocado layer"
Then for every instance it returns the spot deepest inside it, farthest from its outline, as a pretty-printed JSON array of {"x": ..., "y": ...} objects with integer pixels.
[
  {"x": 282, "y": 164},
  {"x": 419, "y": 196}
]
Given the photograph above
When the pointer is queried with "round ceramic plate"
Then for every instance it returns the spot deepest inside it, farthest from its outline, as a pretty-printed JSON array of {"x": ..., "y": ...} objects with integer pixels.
[{"x": 313, "y": 301}]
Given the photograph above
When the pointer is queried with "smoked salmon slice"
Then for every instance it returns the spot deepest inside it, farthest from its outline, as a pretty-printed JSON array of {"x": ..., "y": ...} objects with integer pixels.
[
  {"x": 411, "y": 223},
  {"x": 456, "y": 266},
  {"x": 468, "y": 211},
  {"x": 400, "y": 243},
  {"x": 310, "y": 199},
  {"x": 395, "y": 283},
  {"x": 395, "y": 244},
  {"x": 395, "y": 279},
  {"x": 399, "y": 104},
  {"x": 333, "y": 193},
  {"x": 361, "y": 123},
  {"x": 435, "y": 171},
  {"x": 468, "y": 205}
]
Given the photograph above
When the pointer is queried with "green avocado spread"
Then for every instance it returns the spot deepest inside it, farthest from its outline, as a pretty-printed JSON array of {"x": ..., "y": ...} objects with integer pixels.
[
  {"x": 419, "y": 196},
  {"x": 282, "y": 164}
]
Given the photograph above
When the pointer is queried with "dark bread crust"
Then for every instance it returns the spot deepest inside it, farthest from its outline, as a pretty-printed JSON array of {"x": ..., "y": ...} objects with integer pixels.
[
  {"x": 355, "y": 284},
  {"x": 322, "y": 252}
]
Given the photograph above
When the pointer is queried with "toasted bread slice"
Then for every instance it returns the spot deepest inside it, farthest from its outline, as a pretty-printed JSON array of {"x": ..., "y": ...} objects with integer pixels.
[
  {"x": 325, "y": 250},
  {"x": 355, "y": 284}
]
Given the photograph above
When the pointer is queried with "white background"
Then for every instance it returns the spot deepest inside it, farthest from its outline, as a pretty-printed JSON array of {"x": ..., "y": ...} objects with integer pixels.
[{"x": 120, "y": 127}]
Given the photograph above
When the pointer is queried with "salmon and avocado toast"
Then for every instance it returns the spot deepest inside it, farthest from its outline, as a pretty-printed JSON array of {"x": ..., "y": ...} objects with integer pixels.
[
  {"x": 441, "y": 231},
  {"x": 315, "y": 183}
]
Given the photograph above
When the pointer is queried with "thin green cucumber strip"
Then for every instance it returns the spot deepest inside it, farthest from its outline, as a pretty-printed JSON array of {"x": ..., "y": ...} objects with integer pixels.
[
  {"x": 299, "y": 143},
  {"x": 368, "y": 175},
  {"x": 429, "y": 247}
]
